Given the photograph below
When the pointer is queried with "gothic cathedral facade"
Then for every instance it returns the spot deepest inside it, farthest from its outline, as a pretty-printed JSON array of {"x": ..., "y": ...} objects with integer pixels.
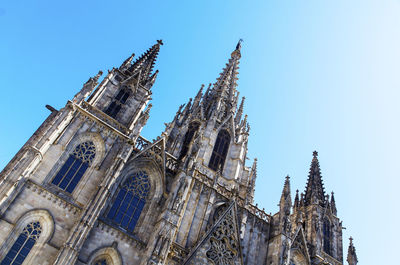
[{"x": 87, "y": 188}]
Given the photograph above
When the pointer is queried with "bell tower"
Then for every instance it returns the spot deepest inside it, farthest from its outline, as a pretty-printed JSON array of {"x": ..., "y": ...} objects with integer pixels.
[
  {"x": 315, "y": 214},
  {"x": 70, "y": 163},
  {"x": 211, "y": 131}
]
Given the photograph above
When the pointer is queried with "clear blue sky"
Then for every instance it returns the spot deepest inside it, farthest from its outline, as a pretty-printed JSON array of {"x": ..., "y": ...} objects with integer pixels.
[{"x": 317, "y": 74}]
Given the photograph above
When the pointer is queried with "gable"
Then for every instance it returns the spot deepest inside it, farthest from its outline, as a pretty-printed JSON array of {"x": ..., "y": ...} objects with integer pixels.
[{"x": 221, "y": 245}]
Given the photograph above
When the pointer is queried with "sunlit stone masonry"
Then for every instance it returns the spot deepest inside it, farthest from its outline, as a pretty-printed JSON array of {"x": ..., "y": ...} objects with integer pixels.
[{"x": 88, "y": 188}]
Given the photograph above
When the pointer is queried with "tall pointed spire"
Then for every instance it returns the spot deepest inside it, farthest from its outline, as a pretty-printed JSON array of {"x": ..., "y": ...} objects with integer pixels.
[
  {"x": 351, "y": 254},
  {"x": 314, "y": 193},
  {"x": 286, "y": 201},
  {"x": 145, "y": 63},
  {"x": 223, "y": 96}
]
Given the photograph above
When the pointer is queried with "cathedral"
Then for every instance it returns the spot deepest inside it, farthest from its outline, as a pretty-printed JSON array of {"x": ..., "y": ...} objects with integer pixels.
[{"x": 88, "y": 188}]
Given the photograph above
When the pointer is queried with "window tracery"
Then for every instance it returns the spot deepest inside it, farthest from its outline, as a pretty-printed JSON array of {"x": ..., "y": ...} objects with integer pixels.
[
  {"x": 116, "y": 105},
  {"x": 192, "y": 129},
  {"x": 23, "y": 245},
  {"x": 224, "y": 246},
  {"x": 129, "y": 202},
  {"x": 76, "y": 165},
  {"x": 220, "y": 150},
  {"x": 101, "y": 262},
  {"x": 327, "y": 236}
]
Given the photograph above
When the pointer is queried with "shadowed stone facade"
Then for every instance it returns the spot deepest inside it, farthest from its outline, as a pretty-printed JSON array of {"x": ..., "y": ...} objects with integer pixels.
[{"x": 87, "y": 188}]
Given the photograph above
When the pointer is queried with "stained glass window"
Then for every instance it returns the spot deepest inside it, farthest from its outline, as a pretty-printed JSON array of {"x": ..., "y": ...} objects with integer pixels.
[
  {"x": 73, "y": 169},
  {"x": 119, "y": 100},
  {"x": 193, "y": 127},
  {"x": 327, "y": 236},
  {"x": 220, "y": 150},
  {"x": 21, "y": 248},
  {"x": 129, "y": 202},
  {"x": 101, "y": 262}
]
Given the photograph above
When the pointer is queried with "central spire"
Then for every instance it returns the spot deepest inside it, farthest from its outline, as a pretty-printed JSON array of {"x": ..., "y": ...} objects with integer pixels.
[
  {"x": 314, "y": 193},
  {"x": 223, "y": 96}
]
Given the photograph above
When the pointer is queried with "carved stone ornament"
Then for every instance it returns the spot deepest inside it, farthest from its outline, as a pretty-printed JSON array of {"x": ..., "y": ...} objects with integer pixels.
[{"x": 224, "y": 246}]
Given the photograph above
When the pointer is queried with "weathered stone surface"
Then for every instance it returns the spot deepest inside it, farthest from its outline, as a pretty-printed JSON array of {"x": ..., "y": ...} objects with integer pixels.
[{"x": 198, "y": 205}]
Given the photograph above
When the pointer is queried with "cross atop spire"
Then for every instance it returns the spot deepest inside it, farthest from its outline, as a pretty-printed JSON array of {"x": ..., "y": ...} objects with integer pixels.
[
  {"x": 286, "y": 202},
  {"x": 351, "y": 253},
  {"x": 314, "y": 193}
]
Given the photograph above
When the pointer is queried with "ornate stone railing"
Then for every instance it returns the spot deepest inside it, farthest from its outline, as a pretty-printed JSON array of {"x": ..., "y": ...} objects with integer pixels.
[
  {"x": 142, "y": 143},
  {"x": 229, "y": 194},
  {"x": 104, "y": 117},
  {"x": 171, "y": 162},
  {"x": 258, "y": 212},
  {"x": 329, "y": 260}
]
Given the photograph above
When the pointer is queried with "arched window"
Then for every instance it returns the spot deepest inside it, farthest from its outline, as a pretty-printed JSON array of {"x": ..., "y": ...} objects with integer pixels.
[
  {"x": 73, "y": 169},
  {"x": 21, "y": 248},
  {"x": 326, "y": 229},
  {"x": 129, "y": 202},
  {"x": 193, "y": 127},
  {"x": 118, "y": 101},
  {"x": 220, "y": 150}
]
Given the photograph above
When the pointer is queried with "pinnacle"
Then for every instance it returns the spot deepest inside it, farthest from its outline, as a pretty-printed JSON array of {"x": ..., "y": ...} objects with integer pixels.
[
  {"x": 296, "y": 200},
  {"x": 239, "y": 112}
]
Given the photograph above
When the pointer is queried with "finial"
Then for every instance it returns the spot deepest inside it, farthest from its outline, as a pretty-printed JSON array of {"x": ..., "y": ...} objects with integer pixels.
[
  {"x": 351, "y": 240},
  {"x": 160, "y": 42},
  {"x": 315, "y": 154},
  {"x": 239, "y": 44},
  {"x": 287, "y": 177}
]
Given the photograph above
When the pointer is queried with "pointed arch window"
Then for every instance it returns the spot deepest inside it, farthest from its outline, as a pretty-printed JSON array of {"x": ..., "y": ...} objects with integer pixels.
[
  {"x": 21, "y": 248},
  {"x": 73, "y": 169},
  {"x": 220, "y": 150},
  {"x": 326, "y": 230},
  {"x": 129, "y": 202},
  {"x": 119, "y": 100},
  {"x": 192, "y": 129}
]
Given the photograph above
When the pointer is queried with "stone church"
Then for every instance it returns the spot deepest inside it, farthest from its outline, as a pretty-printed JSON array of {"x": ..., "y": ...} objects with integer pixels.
[{"x": 88, "y": 188}]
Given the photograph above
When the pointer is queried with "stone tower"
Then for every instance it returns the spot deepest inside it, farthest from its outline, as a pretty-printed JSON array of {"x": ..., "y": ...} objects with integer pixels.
[{"x": 87, "y": 188}]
